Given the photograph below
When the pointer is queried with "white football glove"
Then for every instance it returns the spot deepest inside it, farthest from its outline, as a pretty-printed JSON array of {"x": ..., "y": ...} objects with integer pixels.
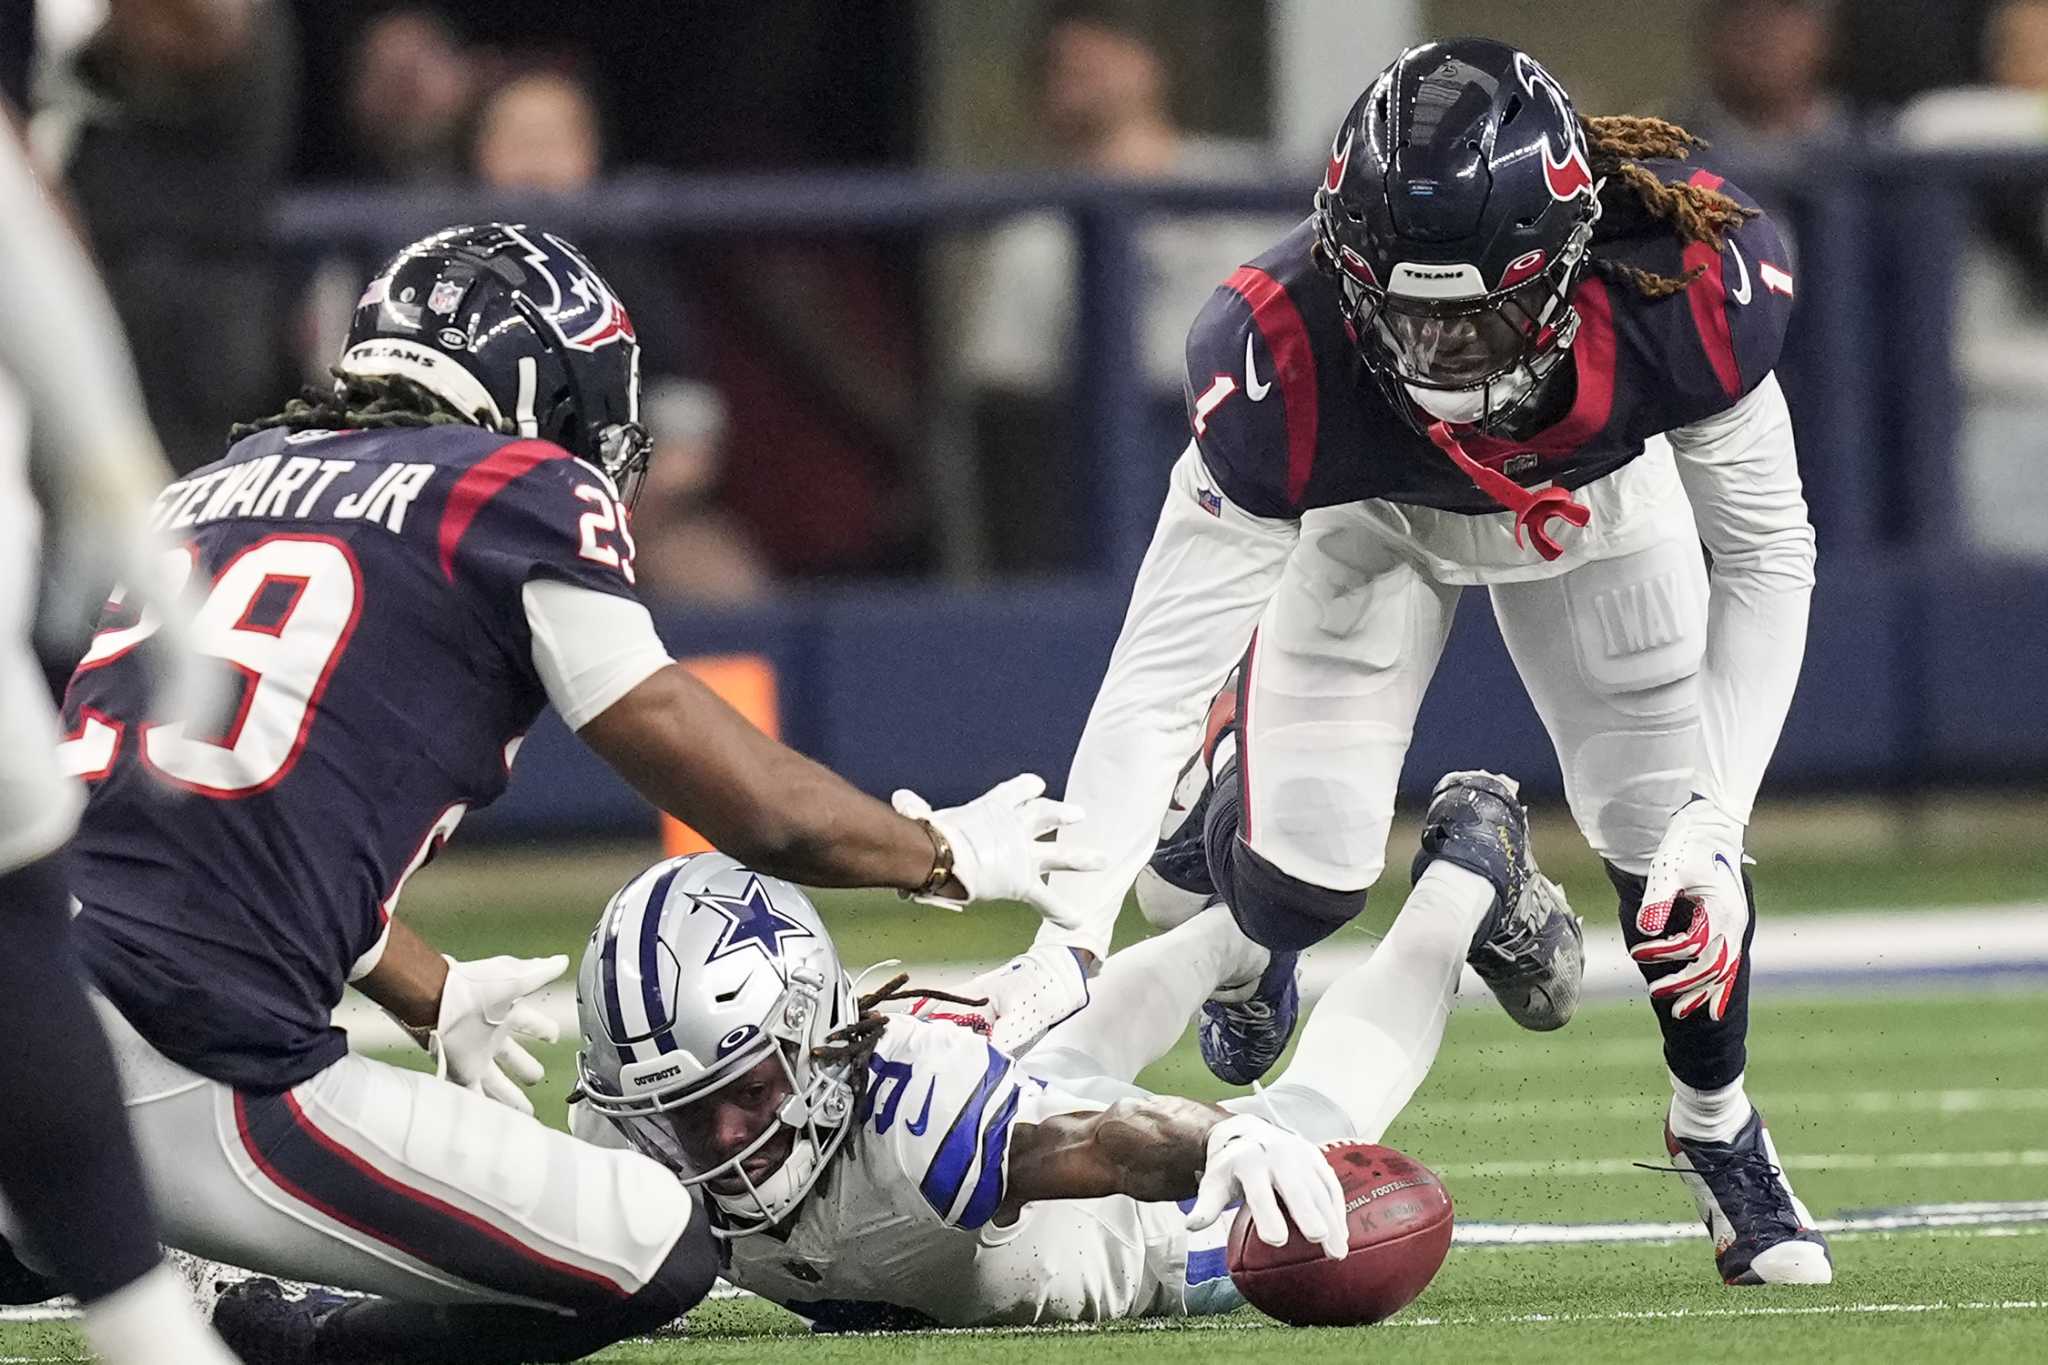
[
  {"x": 997, "y": 852},
  {"x": 1027, "y": 997},
  {"x": 1272, "y": 1169},
  {"x": 484, "y": 1013},
  {"x": 1700, "y": 861}
]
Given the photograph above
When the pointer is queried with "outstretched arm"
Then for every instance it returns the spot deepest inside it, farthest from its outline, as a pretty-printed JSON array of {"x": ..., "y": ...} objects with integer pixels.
[
  {"x": 1149, "y": 1149},
  {"x": 689, "y": 752},
  {"x": 1164, "y": 1147}
]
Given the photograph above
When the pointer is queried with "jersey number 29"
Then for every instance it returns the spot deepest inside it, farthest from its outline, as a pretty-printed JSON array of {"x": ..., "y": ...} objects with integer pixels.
[{"x": 279, "y": 615}]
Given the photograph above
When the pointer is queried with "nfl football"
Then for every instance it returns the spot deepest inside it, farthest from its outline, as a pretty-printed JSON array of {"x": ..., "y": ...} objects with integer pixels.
[{"x": 1400, "y": 1222}]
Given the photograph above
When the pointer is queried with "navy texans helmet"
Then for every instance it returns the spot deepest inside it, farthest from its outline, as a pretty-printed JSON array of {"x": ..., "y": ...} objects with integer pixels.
[
  {"x": 514, "y": 329},
  {"x": 1455, "y": 217}
]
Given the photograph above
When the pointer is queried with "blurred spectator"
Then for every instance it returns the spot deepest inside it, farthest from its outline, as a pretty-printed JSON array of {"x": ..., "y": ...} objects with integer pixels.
[
  {"x": 174, "y": 126},
  {"x": 538, "y": 131},
  {"x": 1767, "y": 70},
  {"x": 2002, "y": 302},
  {"x": 411, "y": 87},
  {"x": 691, "y": 549},
  {"x": 1103, "y": 101}
]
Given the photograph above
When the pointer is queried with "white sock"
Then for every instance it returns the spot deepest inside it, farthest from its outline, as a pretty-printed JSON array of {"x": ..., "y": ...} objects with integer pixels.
[
  {"x": 152, "y": 1321},
  {"x": 1140, "y": 1003},
  {"x": 1709, "y": 1115},
  {"x": 1369, "y": 1042}
]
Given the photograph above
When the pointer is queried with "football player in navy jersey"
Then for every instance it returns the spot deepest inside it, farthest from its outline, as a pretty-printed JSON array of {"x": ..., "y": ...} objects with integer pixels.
[
  {"x": 68, "y": 1172},
  {"x": 1508, "y": 347},
  {"x": 395, "y": 578}
]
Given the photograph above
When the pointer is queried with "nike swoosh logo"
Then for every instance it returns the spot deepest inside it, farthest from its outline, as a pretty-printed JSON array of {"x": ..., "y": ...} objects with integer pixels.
[
  {"x": 1717, "y": 858},
  {"x": 1253, "y": 389},
  {"x": 1741, "y": 293},
  {"x": 924, "y": 1115}
]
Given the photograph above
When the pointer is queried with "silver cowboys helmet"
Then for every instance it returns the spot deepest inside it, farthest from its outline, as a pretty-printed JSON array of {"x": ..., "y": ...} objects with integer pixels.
[{"x": 700, "y": 970}]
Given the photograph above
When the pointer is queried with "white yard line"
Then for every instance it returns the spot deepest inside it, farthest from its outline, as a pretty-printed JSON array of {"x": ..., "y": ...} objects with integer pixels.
[
  {"x": 1754, "y": 1311},
  {"x": 1979, "y": 1218},
  {"x": 1826, "y": 1161},
  {"x": 1966, "y": 943},
  {"x": 1883, "y": 1102},
  {"x": 1927, "y": 1217}
]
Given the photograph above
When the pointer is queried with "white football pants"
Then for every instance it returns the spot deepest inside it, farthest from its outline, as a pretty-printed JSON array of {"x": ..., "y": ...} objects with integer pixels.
[
  {"x": 374, "y": 1178},
  {"x": 1609, "y": 651}
]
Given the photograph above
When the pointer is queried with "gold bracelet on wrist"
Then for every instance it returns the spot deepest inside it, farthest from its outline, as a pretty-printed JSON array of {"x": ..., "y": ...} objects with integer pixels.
[{"x": 942, "y": 860}]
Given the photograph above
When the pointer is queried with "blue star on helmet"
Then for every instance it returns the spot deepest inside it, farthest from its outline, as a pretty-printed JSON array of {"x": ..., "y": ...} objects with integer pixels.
[{"x": 752, "y": 921}]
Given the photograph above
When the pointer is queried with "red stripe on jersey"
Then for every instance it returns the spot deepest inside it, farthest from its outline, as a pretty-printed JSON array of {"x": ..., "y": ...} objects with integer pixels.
[
  {"x": 1708, "y": 296},
  {"x": 1593, "y": 355},
  {"x": 480, "y": 483},
  {"x": 1294, "y": 365}
]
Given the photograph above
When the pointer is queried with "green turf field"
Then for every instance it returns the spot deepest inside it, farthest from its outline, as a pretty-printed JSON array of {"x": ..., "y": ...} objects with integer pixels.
[
  {"x": 1876, "y": 1103},
  {"x": 544, "y": 899}
]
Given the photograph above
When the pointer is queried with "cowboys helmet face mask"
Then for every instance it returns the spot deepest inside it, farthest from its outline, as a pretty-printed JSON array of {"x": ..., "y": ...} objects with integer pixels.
[
  {"x": 700, "y": 971},
  {"x": 515, "y": 330},
  {"x": 1454, "y": 217}
]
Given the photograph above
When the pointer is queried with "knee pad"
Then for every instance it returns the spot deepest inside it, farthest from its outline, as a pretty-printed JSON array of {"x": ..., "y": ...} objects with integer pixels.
[
  {"x": 679, "y": 1284},
  {"x": 1280, "y": 912}
]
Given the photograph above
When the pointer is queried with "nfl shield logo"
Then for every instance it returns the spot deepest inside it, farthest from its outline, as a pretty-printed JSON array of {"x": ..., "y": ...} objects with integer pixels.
[{"x": 444, "y": 296}]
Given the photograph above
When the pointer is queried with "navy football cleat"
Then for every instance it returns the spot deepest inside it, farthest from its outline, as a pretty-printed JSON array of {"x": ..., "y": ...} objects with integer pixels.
[
  {"x": 1529, "y": 950},
  {"x": 266, "y": 1325},
  {"x": 1762, "y": 1233},
  {"x": 1175, "y": 884},
  {"x": 1241, "y": 1040}
]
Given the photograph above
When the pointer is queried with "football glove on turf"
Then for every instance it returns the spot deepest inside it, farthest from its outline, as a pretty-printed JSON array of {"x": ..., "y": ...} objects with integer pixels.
[{"x": 1271, "y": 1169}]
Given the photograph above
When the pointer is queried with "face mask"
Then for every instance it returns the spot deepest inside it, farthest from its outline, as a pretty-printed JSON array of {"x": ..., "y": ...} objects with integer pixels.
[{"x": 1469, "y": 405}]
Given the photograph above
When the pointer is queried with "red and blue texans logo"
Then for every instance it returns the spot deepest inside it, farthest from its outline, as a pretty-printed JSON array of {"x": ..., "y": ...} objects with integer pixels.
[
  {"x": 584, "y": 311},
  {"x": 1568, "y": 173}
]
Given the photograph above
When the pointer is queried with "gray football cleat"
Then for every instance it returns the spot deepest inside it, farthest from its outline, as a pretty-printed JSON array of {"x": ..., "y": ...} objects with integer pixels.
[{"x": 1530, "y": 949}]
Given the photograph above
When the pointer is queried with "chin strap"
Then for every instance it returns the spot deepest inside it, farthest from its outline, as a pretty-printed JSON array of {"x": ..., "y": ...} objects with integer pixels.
[{"x": 1533, "y": 508}]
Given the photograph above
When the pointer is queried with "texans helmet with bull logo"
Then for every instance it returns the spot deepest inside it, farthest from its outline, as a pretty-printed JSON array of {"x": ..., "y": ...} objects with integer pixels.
[{"x": 514, "y": 328}]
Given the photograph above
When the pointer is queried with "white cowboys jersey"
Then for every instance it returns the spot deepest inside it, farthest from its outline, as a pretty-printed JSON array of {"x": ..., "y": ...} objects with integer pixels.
[{"x": 902, "y": 1229}]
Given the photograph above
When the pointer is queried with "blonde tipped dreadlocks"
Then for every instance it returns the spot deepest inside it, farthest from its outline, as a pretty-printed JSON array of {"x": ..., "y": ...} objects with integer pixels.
[
  {"x": 1617, "y": 145},
  {"x": 853, "y": 1042}
]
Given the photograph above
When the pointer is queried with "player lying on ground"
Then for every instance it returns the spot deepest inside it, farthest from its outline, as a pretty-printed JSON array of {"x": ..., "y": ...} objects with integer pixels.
[
  {"x": 875, "y": 1170},
  {"x": 400, "y": 574},
  {"x": 1507, "y": 347},
  {"x": 872, "y": 1170}
]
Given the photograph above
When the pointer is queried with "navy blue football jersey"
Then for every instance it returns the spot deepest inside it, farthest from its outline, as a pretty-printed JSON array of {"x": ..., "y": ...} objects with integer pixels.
[
  {"x": 1287, "y": 419},
  {"x": 365, "y": 609}
]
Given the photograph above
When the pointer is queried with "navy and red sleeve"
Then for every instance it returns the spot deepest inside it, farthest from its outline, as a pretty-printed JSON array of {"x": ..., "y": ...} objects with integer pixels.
[
  {"x": 1740, "y": 305},
  {"x": 529, "y": 509},
  {"x": 1251, "y": 394}
]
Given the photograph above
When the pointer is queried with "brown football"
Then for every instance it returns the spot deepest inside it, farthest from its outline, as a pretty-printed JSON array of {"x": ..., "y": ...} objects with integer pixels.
[{"x": 1400, "y": 1220}]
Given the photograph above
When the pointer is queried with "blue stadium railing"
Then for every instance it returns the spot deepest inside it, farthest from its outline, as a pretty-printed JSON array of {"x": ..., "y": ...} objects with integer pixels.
[{"x": 1924, "y": 662}]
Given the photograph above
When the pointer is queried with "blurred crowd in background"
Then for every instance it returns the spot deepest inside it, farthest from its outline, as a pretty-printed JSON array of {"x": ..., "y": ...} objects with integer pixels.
[{"x": 802, "y": 387}]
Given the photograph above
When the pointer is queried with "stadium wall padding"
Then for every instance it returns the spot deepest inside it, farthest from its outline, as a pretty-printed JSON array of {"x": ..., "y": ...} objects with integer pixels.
[{"x": 1916, "y": 670}]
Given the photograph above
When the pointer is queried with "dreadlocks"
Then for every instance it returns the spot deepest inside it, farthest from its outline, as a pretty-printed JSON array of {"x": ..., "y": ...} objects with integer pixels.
[
  {"x": 1618, "y": 144},
  {"x": 853, "y": 1042},
  {"x": 357, "y": 402}
]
